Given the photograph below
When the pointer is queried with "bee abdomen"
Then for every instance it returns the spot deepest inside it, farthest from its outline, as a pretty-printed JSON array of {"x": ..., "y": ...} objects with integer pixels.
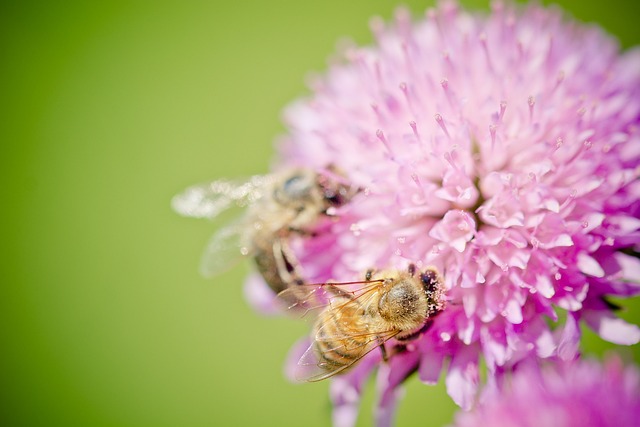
[
  {"x": 339, "y": 342},
  {"x": 266, "y": 264}
]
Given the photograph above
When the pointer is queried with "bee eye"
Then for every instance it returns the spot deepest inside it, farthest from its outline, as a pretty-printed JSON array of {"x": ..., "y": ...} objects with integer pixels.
[
  {"x": 335, "y": 194},
  {"x": 294, "y": 189},
  {"x": 429, "y": 280},
  {"x": 333, "y": 198}
]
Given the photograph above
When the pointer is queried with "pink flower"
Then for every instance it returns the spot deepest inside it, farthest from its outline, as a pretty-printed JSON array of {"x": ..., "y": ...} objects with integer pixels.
[
  {"x": 580, "y": 394},
  {"x": 501, "y": 149}
]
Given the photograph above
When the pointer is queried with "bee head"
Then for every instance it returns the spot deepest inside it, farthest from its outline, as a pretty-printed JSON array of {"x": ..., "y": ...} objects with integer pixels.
[
  {"x": 335, "y": 190},
  {"x": 430, "y": 280},
  {"x": 433, "y": 289},
  {"x": 296, "y": 190}
]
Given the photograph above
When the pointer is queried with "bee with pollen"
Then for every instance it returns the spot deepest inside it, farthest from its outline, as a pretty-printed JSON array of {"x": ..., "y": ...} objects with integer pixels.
[{"x": 357, "y": 317}]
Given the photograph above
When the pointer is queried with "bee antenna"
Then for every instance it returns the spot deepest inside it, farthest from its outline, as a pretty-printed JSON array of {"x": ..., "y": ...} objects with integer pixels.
[{"x": 412, "y": 269}]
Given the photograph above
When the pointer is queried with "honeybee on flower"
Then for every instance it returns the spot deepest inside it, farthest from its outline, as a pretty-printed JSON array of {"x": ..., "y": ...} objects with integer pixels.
[
  {"x": 276, "y": 207},
  {"x": 358, "y": 317}
]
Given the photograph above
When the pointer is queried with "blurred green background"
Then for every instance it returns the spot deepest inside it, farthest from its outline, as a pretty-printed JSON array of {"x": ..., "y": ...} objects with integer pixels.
[{"x": 109, "y": 109}]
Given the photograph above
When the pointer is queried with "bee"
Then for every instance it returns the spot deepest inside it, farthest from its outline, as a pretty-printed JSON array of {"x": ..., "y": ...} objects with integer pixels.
[
  {"x": 357, "y": 317},
  {"x": 276, "y": 207}
]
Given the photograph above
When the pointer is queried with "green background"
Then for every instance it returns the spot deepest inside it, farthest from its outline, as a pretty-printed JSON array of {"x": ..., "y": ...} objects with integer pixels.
[{"x": 108, "y": 110}]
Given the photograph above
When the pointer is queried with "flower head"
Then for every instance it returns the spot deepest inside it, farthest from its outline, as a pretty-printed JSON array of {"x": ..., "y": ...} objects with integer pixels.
[
  {"x": 504, "y": 150},
  {"x": 578, "y": 394}
]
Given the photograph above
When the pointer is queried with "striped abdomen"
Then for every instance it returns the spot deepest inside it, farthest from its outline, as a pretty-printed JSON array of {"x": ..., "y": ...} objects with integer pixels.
[{"x": 343, "y": 334}]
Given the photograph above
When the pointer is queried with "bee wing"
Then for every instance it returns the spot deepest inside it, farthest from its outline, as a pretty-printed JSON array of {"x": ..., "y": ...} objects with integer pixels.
[
  {"x": 223, "y": 251},
  {"x": 210, "y": 199},
  {"x": 312, "y": 366},
  {"x": 302, "y": 299},
  {"x": 346, "y": 332}
]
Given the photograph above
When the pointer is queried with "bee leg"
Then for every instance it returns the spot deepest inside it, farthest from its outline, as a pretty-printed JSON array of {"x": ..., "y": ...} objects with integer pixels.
[
  {"x": 286, "y": 263},
  {"x": 339, "y": 292},
  {"x": 415, "y": 334},
  {"x": 369, "y": 274},
  {"x": 302, "y": 232},
  {"x": 383, "y": 349}
]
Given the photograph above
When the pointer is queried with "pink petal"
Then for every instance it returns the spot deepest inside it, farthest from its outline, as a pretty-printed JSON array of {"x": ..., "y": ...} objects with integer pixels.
[
  {"x": 494, "y": 343},
  {"x": 390, "y": 378},
  {"x": 463, "y": 377},
  {"x": 430, "y": 367},
  {"x": 456, "y": 228},
  {"x": 568, "y": 345},
  {"x": 588, "y": 265},
  {"x": 611, "y": 328},
  {"x": 592, "y": 221},
  {"x": 630, "y": 267},
  {"x": 260, "y": 297},
  {"x": 513, "y": 311},
  {"x": 544, "y": 286},
  {"x": 545, "y": 344},
  {"x": 346, "y": 391},
  {"x": 623, "y": 224}
]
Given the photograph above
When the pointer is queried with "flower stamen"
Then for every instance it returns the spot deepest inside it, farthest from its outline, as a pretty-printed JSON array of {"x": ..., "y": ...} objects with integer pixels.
[
  {"x": 503, "y": 108},
  {"x": 440, "y": 121}
]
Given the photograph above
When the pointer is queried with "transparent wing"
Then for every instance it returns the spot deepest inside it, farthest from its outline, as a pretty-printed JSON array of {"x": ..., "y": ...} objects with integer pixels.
[
  {"x": 303, "y": 299},
  {"x": 312, "y": 366},
  {"x": 223, "y": 251},
  {"x": 345, "y": 329},
  {"x": 210, "y": 199}
]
